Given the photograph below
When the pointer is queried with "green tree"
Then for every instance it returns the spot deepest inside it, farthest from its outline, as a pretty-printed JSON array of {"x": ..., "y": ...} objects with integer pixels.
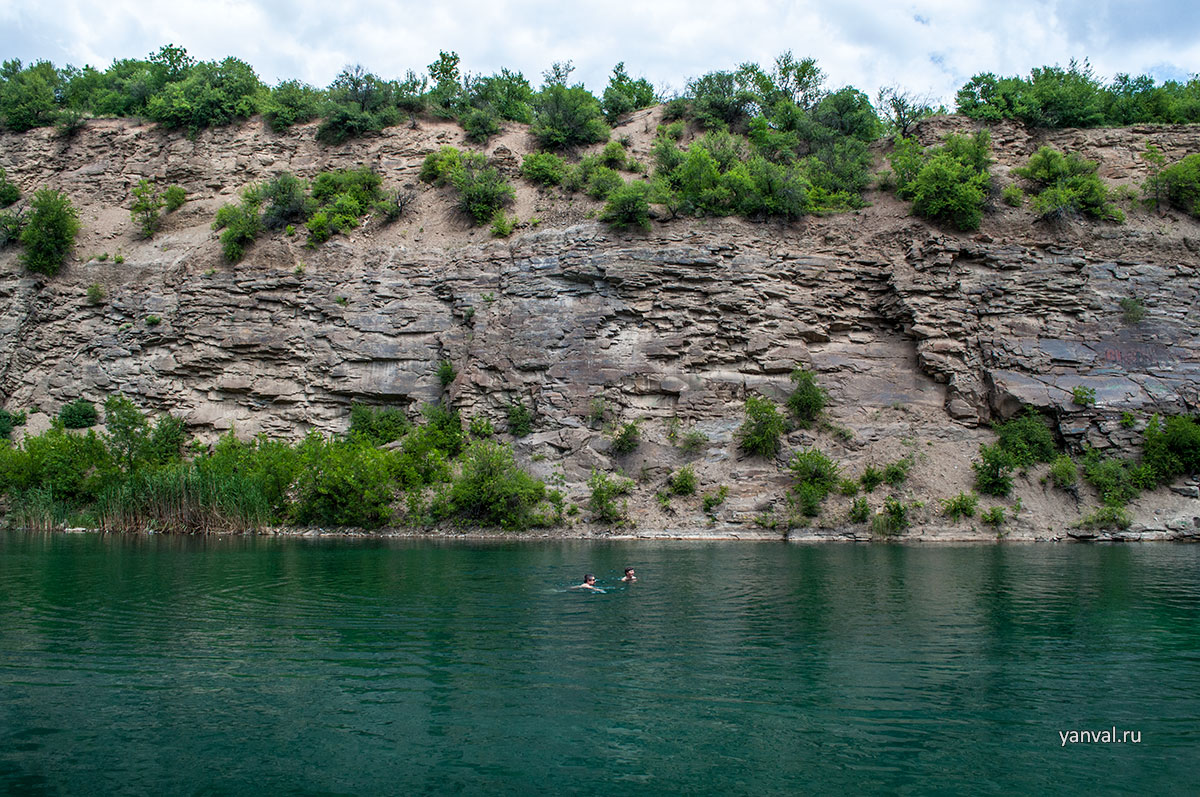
[
  {"x": 624, "y": 94},
  {"x": 28, "y": 96},
  {"x": 128, "y": 431},
  {"x": 147, "y": 204}
]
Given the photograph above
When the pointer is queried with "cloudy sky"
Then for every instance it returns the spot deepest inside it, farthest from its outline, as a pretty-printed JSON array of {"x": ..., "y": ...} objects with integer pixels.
[{"x": 927, "y": 46}]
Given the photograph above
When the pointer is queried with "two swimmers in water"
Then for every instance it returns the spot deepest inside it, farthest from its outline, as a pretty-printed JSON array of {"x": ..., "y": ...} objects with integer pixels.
[{"x": 589, "y": 580}]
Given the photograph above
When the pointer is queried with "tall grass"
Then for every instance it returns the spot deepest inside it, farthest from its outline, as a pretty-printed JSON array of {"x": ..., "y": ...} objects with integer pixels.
[{"x": 182, "y": 498}]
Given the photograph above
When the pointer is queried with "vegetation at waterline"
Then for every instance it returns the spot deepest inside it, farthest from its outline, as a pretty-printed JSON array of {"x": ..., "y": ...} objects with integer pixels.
[
  {"x": 1170, "y": 449},
  {"x": 138, "y": 475}
]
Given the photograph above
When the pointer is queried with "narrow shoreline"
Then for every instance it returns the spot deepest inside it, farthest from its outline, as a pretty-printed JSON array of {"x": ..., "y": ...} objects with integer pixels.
[{"x": 926, "y": 535}]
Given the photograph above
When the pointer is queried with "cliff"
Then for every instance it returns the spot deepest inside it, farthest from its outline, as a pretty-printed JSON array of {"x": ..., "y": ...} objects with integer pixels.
[{"x": 921, "y": 335}]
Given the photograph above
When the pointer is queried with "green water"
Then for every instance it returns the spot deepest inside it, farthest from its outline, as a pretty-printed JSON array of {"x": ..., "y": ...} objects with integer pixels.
[{"x": 152, "y": 665}]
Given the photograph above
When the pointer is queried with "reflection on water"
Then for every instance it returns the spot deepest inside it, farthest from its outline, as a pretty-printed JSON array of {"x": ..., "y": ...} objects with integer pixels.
[{"x": 237, "y": 665}]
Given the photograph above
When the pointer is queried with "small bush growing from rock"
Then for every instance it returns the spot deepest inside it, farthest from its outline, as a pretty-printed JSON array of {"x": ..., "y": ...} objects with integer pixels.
[
  {"x": 1083, "y": 396},
  {"x": 492, "y": 490},
  {"x": 760, "y": 433},
  {"x": 174, "y": 197},
  {"x": 684, "y": 481},
  {"x": 627, "y": 438},
  {"x": 860, "y": 511},
  {"x": 446, "y": 372},
  {"x": 1064, "y": 473},
  {"x": 714, "y": 499},
  {"x": 605, "y": 492},
  {"x": 240, "y": 224},
  {"x": 1106, "y": 517},
  {"x": 95, "y": 294},
  {"x": 9, "y": 192},
  {"x": 49, "y": 232},
  {"x": 480, "y": 125},
  {"x": 871, "y": 478},
  {"x": 993, "y": 471},
  {"x": 807, "y": 398},
  {"x": 960, "y": 506},
  {"x": 520, "y": 419},
  {"x": 1067, "y": 184},
  {"x": 892, "y": 520},
  {"x": 1013, "y": 196},
  {"x": 544, "y": 168},
  {"x": 147, "y": 204},
  {"x": 78, "y": 414},
  {"x": 896, "y": 473},
  {"x": 1179, "y": 184},
  {"x": 628, "y": 206},
  {"x": 816, "y": 475},
  {"x": 994, "y": 516},
  {"x": 1133, "y": 310},
  {"x": 481, "y": 427}
]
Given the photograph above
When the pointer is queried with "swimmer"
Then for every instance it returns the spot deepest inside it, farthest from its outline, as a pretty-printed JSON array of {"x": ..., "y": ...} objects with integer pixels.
[
  {"x": 589, "y": 582},
  {"x": 629, "y": 576}
]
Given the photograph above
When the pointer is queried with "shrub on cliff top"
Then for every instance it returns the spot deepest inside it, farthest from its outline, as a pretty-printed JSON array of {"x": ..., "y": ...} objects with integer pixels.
[
  {"x": 78, "y": 414},
  {"x": 1067, "y": 184}
]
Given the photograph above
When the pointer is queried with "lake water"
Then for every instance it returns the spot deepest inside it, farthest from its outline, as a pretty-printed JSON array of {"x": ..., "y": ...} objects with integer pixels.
[{"x": 168, "y": 665}]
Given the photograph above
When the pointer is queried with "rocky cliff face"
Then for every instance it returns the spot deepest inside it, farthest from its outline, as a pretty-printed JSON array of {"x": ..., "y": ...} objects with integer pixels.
[{"x": 919, "y": 334}]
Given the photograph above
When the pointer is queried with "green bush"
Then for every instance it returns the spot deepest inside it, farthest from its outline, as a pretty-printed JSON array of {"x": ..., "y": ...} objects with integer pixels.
[
  {"x": 481, "y": 191},
  {"x": 520, "y": 419},
  {"x": 567, "y": 117},
  {"x": 871, "y": 478},
  {"x": 481, "y": 427},
  {"x": 174, "y": 197},
  {"x": 1067, "y": 184},
  {"x": 960, "y": 506},
  {"x": 1083, "y": 396},
  {"x": 1026, "y": 439},
  {"x": 1064, "y": 473},
  {"x": 289, "y": 103},
  {"x": 1172, "y": 448},
  {"x": 492, "y": 490},
  {"x": 544, "y": 168},
  {"x": 892, "y": 520},
  {"x": 342, "y": 483},
  {"x": 95, "y": 294},
  {"x": 627, "y": 438},
  {"x": 759, "y": 434},
  {"x": 1117, "y": 481},
  {"x": 684, "y": 481},
  {"x": 49, "y": 231},
  {"x": 628, "y": 206},
  {"x": 993, "y": 471},
  {"x": 625, "y": 95},
  {"x": 446, "y": 373},
  {"x": 78, "y": 414},
  {"x": 993, "y": 516},
  {"x": 948, "y": 183},
  {"x": 816, "y": 475},
  {"x": 211, "y": 94},
  {"x": 11, "y": 225},
  {"x": 503, "y": 224},
  {"x": 1013, "y": 196},
  {"x": 807, "y": 399},
  {"x": 378, "y": 425},
  {"x": 240, "y": 224},
  {"x": 896, "y": 473},
  {"x": 9, "y": 192},
  {"x": 860, "y": 511},
  {"x": 605, "y": 491},
  {"x": 29, "y": 96},
  {"x": 714, "y": 499},
  {"x": 1107, "y": 517},
  {"x": 1178, "y": 183},
  {"x": 479, "y": 124},
  {"x": 286, "y": 201},
  {"x": 1133, "y": 310},
  {"x": 147, "y": 204},
  {"x": 693, "y": 441}
]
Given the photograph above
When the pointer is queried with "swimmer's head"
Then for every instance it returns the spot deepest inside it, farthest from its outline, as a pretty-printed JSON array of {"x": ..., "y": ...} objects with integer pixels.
[
  {"x": 629, "y": 571},
  {"x": 588, "y": 578}
]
